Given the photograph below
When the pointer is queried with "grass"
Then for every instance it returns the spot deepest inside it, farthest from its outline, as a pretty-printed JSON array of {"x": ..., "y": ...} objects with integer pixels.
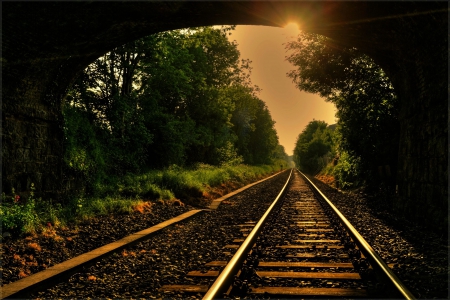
[
  {"x": 174, "y": 186},
  {"x": 179, "y": 183}
]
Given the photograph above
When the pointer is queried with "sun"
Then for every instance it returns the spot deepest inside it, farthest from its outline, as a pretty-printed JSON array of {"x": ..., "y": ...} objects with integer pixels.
[{"x": 292, "y": 29}]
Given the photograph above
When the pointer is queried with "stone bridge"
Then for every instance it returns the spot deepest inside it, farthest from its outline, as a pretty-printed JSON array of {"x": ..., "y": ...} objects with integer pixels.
[{"x": 46, "y": 44}]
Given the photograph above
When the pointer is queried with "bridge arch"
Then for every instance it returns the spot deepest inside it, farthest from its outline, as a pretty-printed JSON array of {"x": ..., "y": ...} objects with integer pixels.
[{"x": 45, "y": 46}]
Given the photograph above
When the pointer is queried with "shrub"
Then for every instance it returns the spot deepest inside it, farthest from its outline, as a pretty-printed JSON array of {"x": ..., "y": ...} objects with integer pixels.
[
  {"x": 18, "y": 215},
  {"x": 347, "y": 171}
]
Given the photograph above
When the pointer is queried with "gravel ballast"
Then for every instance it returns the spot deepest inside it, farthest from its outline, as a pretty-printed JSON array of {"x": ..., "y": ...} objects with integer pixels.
[
  {"x": 420, "y": 254},
  {"x": 34, "y": 253}
]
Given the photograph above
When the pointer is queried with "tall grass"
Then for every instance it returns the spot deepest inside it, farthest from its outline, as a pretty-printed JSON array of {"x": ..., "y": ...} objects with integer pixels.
[
  {"x": 177, "y": 182},
  {"x": 122, "y": 196}
]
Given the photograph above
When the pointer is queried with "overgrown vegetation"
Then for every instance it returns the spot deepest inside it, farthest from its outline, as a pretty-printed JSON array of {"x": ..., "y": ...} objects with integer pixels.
[
  {"x": 131, "y": 193},
  {"x": 367, "y": 133},
  {"x": 164, "y": 117},
  {"x": 179, "y": 97}
]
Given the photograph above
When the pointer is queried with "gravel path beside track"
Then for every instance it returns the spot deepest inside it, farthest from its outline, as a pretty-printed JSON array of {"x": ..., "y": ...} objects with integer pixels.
[
  {"x": 34, "y": 253},
  {"x": 421, "y": 254}
]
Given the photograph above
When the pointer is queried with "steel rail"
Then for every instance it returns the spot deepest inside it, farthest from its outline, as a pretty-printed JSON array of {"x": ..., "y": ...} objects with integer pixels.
[
  {"x": 375, "y": 260},
  {"x": 226, "y": 276}
]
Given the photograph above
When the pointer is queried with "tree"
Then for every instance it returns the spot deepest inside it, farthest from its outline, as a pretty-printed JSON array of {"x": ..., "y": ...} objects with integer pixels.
[
  {"x": 257, "y": 139},
  {"x": 166, "y": 99},
  {"x": 365, "y": 99},
  {"x": 264, "y": 140},
  {"x": 105, "y": 91},
  {"x": 313, "y": 146},
  {"x": 215, "y": 63},
  {"x": 173, "y": 98},
  {"x": 281, "y": 157}
]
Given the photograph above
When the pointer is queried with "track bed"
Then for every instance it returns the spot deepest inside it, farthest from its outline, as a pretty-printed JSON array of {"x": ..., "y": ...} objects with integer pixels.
[
  {"x": 140, "y": 271},
  {"x": 301, "y": 252}
]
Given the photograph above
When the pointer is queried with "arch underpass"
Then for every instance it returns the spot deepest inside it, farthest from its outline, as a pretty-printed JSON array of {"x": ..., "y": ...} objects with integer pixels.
[{"x": 45, "y": 46}]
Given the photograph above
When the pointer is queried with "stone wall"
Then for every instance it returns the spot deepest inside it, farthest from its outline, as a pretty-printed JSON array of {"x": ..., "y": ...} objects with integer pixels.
[
  {"x": 31, "y": 134},
  {"x": 32, "y": 153},
  {"x": 423, "y": 154}
]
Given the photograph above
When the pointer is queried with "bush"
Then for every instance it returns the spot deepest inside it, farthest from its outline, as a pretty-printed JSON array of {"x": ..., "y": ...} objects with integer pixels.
[
  {"x": 17, "y": 215},
  {"x": 347, "y": 171}
]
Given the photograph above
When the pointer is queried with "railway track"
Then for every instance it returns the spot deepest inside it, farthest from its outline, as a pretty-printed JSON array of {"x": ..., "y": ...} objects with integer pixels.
[{"x": 301, "y": 247}]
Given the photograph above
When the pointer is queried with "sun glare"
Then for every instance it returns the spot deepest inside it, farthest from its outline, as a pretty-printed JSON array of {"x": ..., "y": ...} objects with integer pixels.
[{"x": 292, "y": 29}]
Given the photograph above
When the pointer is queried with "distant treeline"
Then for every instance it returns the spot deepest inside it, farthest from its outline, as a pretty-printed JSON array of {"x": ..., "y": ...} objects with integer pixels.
[{"x": 179, "y": 97}]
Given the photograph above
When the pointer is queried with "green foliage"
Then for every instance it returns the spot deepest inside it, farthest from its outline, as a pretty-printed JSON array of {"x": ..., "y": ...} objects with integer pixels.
[
  {"x": 257, "y": 139},
  {"x": 104, "y": 206},
  {"x": 365, "y": 99},
  {"x": 179, "y": 97},
  {"x": 328, "y": 170},
  {"x": 227, "y": 155},
  {"x": 314, "y": 147},
  {"x": 83, "y": 151},
  {"x": 18, "y": 215},
  {"x": 347, "y": 171},
  {"x": 178, "y": 182},
  {"x": 171, "y": 137},
  {"x": 264, "y": 140},
  {"x": 49, "y": 212},
  {"x": 280, "y": 154}
]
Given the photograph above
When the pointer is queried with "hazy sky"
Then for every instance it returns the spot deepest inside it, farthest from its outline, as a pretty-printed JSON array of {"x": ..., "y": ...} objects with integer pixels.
[{"x": 291, "y": 109}]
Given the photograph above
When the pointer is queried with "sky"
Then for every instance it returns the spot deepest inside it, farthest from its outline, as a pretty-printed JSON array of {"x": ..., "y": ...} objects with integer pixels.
[{"x": 290, "y": 108}]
